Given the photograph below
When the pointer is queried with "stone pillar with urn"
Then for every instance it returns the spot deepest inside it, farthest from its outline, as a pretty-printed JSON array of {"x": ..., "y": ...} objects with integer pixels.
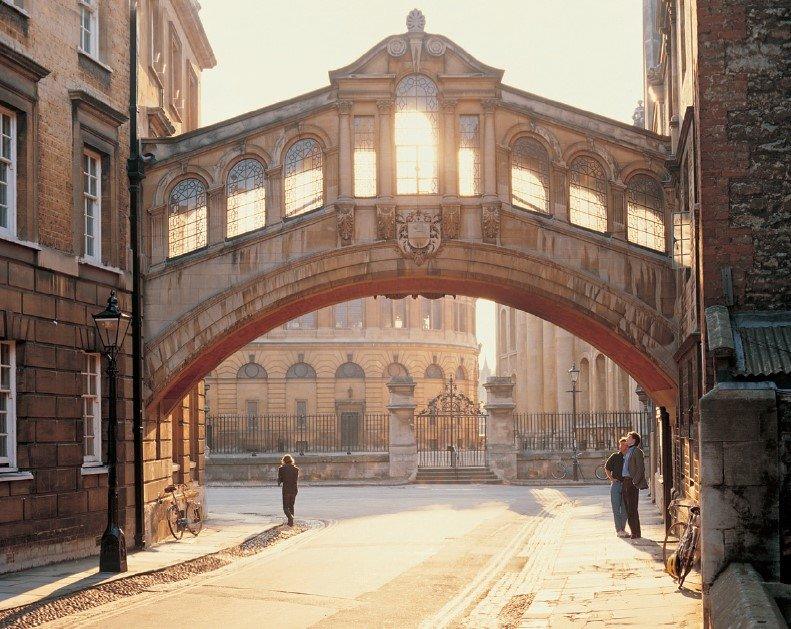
[
  {"x": 500, "y": 446},
  {"x": 403, "y": 444}
]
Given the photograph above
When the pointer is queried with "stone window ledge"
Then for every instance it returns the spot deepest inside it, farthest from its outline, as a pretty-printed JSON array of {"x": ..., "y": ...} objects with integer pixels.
[
  {"x": 17, "y": 241},
  {"x": 91, "y": 64},
  {"x": 9, "y": 476},
  {"x": 101, "y": 265},
  {"x": 88, "y": 470}
]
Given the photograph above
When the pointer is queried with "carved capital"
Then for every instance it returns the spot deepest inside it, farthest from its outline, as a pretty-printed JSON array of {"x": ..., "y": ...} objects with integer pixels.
[
  {"x": 451, "y": 220},
  {"x": 385, "y": 221},
  {"x": 344, "y": 107},
  {"x": 385, "y": 105},
  {"x": 344, "y": 214},
  {"x": 274, "y": 172},
  {"x": 490, "y": 104},
  {"x": 490, "y": 221},
  {"x": 449, "y": 105}
]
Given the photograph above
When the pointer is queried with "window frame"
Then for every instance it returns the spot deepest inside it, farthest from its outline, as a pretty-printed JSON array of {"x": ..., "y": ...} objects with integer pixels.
[
  {"x": 263, "y": 213},
  {"x": 431, "y": 110},
  {"x": 96, "y": 256},
  {"x": 8, "y": 462},
  {"x": 314, "y": 204},
  {"x": 94, "y": 458},
  {"x": 529, "y": 139},
  {"x": 344, "y": 322},
  {"x": 660, "y": 211},
  {"x": 91, "y": 7},
  {"x": 473, "y": 143},
  {"x": 605, "y": 194},
  {"x": 205, "y": 220},
  {"x": 364, "y": 188},
  {"x": 10, "y": 231}
]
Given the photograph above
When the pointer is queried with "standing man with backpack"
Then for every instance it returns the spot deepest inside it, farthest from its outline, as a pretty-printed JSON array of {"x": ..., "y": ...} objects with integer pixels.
[
  {"x": 288, "y": 476},
  {"x": 634, "y": 480}
]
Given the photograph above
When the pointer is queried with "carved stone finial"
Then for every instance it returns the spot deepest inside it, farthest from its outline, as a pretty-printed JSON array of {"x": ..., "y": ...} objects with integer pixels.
[
  {"x": 415, "y": 21},
  {"x": 638, "y": 117}
]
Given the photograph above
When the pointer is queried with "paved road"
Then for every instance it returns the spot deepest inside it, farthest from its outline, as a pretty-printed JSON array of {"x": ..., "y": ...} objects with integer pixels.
[{"x": 405, "y": 556}]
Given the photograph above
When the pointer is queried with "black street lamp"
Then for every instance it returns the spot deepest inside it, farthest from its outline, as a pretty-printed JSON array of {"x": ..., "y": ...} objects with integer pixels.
[
  {"x": 112, "y": 326},
  {"x": 575, "y": 374}
]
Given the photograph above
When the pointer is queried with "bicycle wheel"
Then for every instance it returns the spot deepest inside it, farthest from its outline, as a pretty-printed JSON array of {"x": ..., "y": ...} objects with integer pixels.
[
  {"x": 173, "y": 516},
  {"x": 194, "y": 518},
  {"x": 688, "y": 556},
  {"x": 559, "y": 472},
  {"x": 672, "y": 538},
  {"x": 600, "y": 474}
]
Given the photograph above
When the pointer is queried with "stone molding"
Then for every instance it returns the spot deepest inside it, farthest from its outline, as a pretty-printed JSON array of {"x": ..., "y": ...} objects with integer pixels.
[{"x": 344, "y": 214}]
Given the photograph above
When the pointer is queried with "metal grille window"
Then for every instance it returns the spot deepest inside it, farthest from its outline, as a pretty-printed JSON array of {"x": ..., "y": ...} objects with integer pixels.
[
  {"x": 416, "y": 135},
  {"x": 89, "y": 27},
  {"x": 431, "y": 313},
  {"x": 7, "y": 405},
  {"x": 7, "y": 172},
  {"x": 92, "y": 204},
  {"x": 92, "y": 409},
  {"x": 364, "y": 157},
  {"x": 469, "y": 156},
  {"x": 187, "y": 218},
  {"x": 246, "y": 197},
  {"x": 304, "y": 177},
  {"x": 349, "y": 315},
  {"x": 588, "y": 194},
  {"x": 530, "y": 175},
  {"x": 645, "y": 219}
]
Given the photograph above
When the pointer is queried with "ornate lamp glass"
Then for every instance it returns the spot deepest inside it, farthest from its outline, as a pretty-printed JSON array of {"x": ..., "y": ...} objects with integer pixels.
[
  {"x": 574, "y": 373},
  {"x": 112, "y": 325}
]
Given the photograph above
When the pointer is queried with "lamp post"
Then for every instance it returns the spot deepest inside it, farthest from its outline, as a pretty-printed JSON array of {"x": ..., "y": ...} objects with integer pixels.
[
  {"x": 575, "y": 374},
  {"x": 112, "y": 326}
]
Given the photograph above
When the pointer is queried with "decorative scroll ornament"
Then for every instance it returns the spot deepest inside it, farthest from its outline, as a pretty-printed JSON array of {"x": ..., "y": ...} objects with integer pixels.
[
  {"x": 435, "y": 46},
  {"x": 451, "y": 221},
  {"x": 418, "y": 234},
  {"x": 490, "y": 221},
  {"x": 396, "y": 47},
  {"x": 415, "y": 21},
  {"x": 451, "y": 402},
  {"x": 385, "y": 222},
  {"x": 344, "y": 214}
]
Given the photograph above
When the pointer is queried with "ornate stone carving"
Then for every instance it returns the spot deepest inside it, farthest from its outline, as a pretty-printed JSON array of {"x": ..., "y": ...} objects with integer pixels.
[
  {"x": 436, "y": 46},
  {"x": 415, "y": 21},
  {"x": 345, "y": 106},
  {"x": 451, "y": 220},
  {"x": 385, "y": 221},
  {"x": 490, "y": 221},
  {"x": 418, "y": 234},
  {"x": 385, "y": 105},
  {"x": 344, "y": 214},
  {"x": 396, "y": 47},
  {"x": 490, "y": 104},
  {"x": 449, "y": 104}
]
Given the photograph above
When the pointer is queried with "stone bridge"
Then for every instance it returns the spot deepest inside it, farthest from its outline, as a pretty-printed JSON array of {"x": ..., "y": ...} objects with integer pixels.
[{"x": 416, "y": 171}]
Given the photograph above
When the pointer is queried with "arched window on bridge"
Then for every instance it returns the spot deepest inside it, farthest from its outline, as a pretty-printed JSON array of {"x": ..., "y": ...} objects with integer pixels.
[
  {"x": 645, "y": 217},
  {"x": 434, "y": 372},
  {"x": 186, "y": 217},
  {"x": 416, "y": 135},
  {"x": 246, "y": 197},
  {"x": 530, "y": 175},
  {"x": 303, "y": 169},
  {"x": 588, "y": 194}
]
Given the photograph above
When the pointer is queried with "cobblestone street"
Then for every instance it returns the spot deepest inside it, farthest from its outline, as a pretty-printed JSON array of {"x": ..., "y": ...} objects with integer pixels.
[{"x": 430, "y": 556}]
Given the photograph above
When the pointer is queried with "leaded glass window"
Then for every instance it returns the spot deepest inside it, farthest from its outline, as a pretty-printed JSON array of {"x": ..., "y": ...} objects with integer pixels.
[
  {"x": 645, "y": 218},
  {"x": 246, "y": 197},
  {"x": 304, "y": 177},
  {"x": 416, "y": 135},
  {"x": 469, "y": 156},
  {"x": 187, "y": 218},
  {"x": 364, "y": 157},
  {"x": 530, "y": 175},
  {"x": 588, "y": 194},
  {"x": 7, "y": 172}
]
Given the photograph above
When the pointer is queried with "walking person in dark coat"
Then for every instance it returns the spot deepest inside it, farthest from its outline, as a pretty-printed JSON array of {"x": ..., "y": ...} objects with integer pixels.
[
  {"x": 633, "y": 481},
  {"x": 287, "y": 476}
]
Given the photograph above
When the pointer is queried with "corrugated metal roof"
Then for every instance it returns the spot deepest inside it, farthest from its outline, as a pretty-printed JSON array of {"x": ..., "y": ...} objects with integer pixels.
[{"x": 765, "y": 350}]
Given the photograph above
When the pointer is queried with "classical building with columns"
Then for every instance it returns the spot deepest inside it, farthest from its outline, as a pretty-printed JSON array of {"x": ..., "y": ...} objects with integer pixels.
[{"x": 538, "y": 355}]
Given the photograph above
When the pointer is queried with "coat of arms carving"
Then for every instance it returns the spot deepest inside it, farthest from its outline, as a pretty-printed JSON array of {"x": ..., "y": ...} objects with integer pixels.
[{"x": 419, "y": 234}]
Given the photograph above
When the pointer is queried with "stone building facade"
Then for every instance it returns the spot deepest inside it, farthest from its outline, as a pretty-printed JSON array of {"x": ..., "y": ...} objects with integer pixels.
[
  {"x": 353, "y": 349},
  {"x": 538, "y": 355},
  {"x": 64, "y": 246}
]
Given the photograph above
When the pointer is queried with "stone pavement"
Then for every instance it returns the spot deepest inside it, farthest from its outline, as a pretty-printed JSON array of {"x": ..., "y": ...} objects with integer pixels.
[{"x": 219, "y": 532}]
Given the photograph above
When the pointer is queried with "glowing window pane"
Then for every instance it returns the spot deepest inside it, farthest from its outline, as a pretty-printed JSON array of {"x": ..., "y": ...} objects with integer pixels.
[
  {"x": 645, "y": 220},
  {"x": 364, "y": 157},
  {"x": 304, "y": 177},
  {"x": 246, "y": 197},
  {"x": 682, "y": 238},
  {"x": 588, "y": 194},
  {"x": 416, "y": 135},
  {"x": 187, "y": 218},
  {"x": 530, "y": 175},
  {"x": 469, "y": 156}
]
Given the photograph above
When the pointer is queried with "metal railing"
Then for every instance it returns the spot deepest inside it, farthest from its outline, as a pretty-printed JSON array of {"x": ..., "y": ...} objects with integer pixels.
[
  {"x": 297, "y": 434},
  {"x": 595, "y": 430}
]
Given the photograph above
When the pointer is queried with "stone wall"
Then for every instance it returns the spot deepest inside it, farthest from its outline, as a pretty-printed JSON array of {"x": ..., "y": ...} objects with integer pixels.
[
  {"x": 784, "y": 425},
  {"x": 540, "y": 464},
  {"x": 242, "y": 468}
]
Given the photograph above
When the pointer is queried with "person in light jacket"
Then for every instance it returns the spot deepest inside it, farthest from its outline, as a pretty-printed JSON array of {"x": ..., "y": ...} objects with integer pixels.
[
  {"x": 288, "y": 477},
  {"x": 634, "y": 480}
]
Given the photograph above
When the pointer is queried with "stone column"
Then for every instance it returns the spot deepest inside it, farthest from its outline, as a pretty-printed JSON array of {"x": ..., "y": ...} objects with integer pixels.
[
  {"x": 559, "y": 174},
  {"x": 500, "y": 446},
  {"x": 739, "y": 480},
  {"x": 535, "y": 364},
  {"x": 385, "y": 153},
  {"x": 489, "y": 151},
  {"x": 274, "y": 195},
  {"x": 403, "y": 446},
  {"x": 564, "y": 343},
  {"x": 550, "y": 362},
  {"x": 616, "y": 220},
  {"x": 344, "y": 150},
  {"x": 215, "y": 215}
]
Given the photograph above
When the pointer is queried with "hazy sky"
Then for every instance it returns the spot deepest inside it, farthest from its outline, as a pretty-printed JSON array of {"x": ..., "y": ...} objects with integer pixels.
[{"x": 586, "y": 53}]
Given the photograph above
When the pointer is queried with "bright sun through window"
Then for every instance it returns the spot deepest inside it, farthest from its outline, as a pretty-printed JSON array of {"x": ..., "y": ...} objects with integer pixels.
[{"x": 416, "y": 135}]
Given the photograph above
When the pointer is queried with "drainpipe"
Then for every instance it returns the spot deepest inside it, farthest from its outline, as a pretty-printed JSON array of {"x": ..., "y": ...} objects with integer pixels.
[{"x": 135, "y": 170}]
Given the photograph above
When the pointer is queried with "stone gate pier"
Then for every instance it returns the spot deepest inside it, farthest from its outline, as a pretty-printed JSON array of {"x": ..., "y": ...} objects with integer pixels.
[
  {"x": 403, "y": 445},
  {"x": 500, "y": 446}
]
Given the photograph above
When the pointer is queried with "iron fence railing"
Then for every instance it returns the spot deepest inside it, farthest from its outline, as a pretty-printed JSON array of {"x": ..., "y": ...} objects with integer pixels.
[
  {"x": 297, "y": 434},
  {"x": 595, "y": 430}
]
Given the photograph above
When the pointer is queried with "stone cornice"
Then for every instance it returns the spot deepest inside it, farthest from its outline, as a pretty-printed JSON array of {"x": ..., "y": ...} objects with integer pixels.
[
  {"x": 199, "y": 43},
  {"x": 83, "y": 98},
  {"x": 22, "y": 63}
]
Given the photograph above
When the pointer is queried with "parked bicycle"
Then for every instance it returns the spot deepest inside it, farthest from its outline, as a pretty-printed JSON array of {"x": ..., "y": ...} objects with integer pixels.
[
  {"x": 680, "y": 548},
  {"x": 564, "y": 468},
  {"x": 183, "y": 513}
]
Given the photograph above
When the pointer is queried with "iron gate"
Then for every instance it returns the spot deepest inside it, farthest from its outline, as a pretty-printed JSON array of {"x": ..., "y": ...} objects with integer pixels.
[{"x": 451, "y": 431}]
